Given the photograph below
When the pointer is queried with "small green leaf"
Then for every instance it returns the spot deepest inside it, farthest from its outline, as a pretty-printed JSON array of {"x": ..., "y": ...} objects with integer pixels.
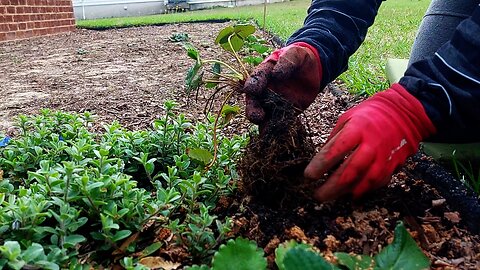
[
  {"x": 261, "y": 49},
  {"x": 284, "y": 248},
  {"x": 236, "y": 35},
  {"x": 11, "y": 249},
  {"x": 216, "y": 68},
  {"x": 210, "y": 85},
  {"x": 121, "y": 235},
  {"x": 149, "y": 167},
  {"x": 32, "y": 253},
  {"x": 151, "y": 249},
  {"x": 235, "y": 44},
  {"x": 354, "y": 262},
  {"x": 200, "y": 154},
  {"x": 253, "y": 60},
  {"x": 194, "y": 78},
  {"x": 239, "y": 254},
  {"x": 71, "y": 240},
  {"x": 192, "y": 52},
  {"x": 244, "y": 30},
  {"x": 47, "y": 265},
  {"x": 94, "y": 185},
  {"x": 223, "y": 35},
  {"x": 304, "y": 259},
  {"x": 228, "y": 112},
  {"x": 402, "y": 253}
]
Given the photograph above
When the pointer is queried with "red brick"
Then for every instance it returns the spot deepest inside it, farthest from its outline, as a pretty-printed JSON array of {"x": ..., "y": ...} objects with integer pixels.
[
  {"x": 14, "y": 2},
  {"x": 10, "y": 10},
  {"x": 10, "y": 35},
  {"x": 29, "y": 33},
  {"x": 20, "y": 34},
  {"x": 22, "y": 26},
  {"x": 28, "y": 9},
  {"x": 13, "y": 27},
  {"x": 3, "y": 27},
  {"x": 3, "y": 36},
  {"x": 30, "y": 25},
  {"x": 22, "y": 2},
  {"x": 19, "y": 9},
  {"x": 8, "y": 18}
]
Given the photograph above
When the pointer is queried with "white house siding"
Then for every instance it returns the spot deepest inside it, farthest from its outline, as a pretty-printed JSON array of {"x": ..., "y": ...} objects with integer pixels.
[{"x": 94, "y": 9}]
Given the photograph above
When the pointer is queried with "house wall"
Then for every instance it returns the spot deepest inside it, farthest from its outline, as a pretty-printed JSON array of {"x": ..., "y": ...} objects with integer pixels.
[
  {"x": 95, "y": 9},
  {"x": 20, "y": 19},
  {"x": 203, "y": 4}
]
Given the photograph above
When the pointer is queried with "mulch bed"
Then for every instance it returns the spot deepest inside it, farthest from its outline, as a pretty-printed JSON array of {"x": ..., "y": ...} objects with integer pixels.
[{"x": 127, "y": 74}]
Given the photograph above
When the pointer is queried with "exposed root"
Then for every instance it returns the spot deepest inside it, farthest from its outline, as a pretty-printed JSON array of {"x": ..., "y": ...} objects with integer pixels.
[{"x": 274, "y": 161}]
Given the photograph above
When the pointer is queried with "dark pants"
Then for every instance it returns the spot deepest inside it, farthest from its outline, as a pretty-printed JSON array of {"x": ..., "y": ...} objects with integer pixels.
[{"x": 438, "y": 25}]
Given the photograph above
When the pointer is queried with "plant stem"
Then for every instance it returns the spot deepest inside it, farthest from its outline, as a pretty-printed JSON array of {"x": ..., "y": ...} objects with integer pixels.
[
  {"x": 239, "y": 75},
  {"x": 245, "y": 74},
  {"x": 264, "y": 14},
  {"x": 215, "y": 143},
  {"x": 225, "y": 76}
]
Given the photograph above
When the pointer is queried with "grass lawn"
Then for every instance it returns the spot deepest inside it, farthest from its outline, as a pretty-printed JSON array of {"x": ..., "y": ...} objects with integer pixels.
[{"x": 391, "y": 36}]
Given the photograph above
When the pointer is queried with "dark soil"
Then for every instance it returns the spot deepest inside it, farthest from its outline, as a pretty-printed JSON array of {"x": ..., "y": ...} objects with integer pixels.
[
  {"x": 272, "y": 166},
  {"x": 127, "y": 74}
]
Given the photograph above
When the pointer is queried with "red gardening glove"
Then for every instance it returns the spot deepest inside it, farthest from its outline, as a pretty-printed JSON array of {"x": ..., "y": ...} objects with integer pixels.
[
  {"x": 294, "y": 72},
  {"x": 370, "y": 142}
]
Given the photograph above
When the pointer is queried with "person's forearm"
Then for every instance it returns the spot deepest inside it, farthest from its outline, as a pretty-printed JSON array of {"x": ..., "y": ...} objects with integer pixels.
[
  {"x": 336, "y": 28},
  {"x": 448, "y": 84}
]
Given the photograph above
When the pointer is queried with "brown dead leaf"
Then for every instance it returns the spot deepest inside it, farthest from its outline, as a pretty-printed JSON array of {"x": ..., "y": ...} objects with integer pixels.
[
  {"x": 453, "y": 217},
  {"x": 159, "y": 263}
]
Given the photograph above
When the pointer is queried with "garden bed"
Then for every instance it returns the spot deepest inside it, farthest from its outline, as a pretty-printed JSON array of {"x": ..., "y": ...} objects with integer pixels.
[{"x": 127, "y": 74}]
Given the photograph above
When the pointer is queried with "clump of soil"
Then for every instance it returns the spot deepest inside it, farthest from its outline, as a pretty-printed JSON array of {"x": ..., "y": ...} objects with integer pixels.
[{"x": 272, "y": 167}]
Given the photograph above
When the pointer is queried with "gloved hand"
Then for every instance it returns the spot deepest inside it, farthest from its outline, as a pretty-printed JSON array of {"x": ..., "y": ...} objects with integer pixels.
[
  {"x": 369, "y": 142},
  {"x": 294, "y": 72}
]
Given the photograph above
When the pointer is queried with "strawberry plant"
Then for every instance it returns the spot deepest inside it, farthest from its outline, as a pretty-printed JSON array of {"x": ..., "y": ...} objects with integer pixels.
[
  {"x": 226, "y": 78},
  {"x": 241, "y": 254},
  {"x": 272, "y": 167}
]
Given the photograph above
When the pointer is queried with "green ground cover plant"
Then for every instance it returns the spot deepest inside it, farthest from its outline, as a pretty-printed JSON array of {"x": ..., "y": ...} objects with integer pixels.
[
  {"x": 390, "y": 37},
  {"x": 68, "y": 193},
  {"x": 242, "y": 254}
]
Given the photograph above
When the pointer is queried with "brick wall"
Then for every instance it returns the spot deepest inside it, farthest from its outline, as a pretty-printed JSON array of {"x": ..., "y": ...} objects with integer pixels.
[{"x": 20, "y": 19}]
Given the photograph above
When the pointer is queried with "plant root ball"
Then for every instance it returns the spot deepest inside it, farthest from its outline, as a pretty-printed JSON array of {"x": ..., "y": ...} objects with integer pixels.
[{"x": 272, "y": 167}]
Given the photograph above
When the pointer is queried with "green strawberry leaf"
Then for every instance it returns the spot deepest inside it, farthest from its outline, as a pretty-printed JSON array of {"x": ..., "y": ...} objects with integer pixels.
[
  {"x": 354, "y": 262},
  {"x": 239, "y": 254},
  {"x": 402, "y": 253}
]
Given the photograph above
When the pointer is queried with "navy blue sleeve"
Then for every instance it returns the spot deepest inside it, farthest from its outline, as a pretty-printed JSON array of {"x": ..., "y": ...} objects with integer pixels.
[
  {"x": 336, "y": 28},
  {"x": 448, "y": 84}
]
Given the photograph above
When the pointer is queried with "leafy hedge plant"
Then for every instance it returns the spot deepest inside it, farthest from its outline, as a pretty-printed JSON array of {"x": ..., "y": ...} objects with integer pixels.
[
  {"x": 242, "y": 254},
  {"x": 66, "y": 190}
]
